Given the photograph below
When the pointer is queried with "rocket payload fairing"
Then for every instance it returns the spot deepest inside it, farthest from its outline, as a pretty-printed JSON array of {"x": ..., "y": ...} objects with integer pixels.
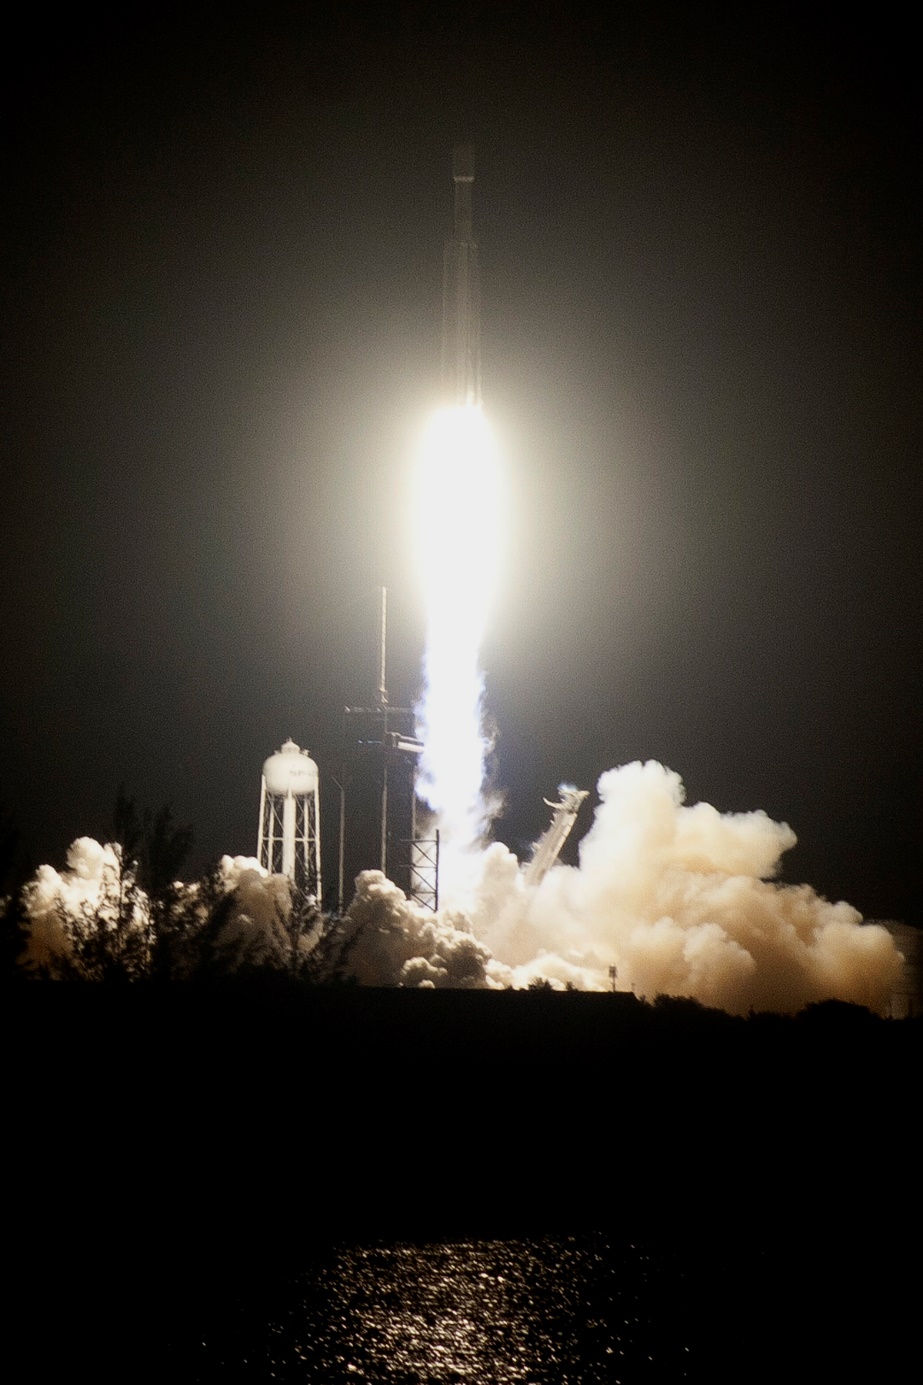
[{"x": 461, "y": 327}]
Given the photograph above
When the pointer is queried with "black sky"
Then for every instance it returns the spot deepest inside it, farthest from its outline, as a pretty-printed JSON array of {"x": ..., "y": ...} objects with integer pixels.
[{"x": 701, "y": 349}]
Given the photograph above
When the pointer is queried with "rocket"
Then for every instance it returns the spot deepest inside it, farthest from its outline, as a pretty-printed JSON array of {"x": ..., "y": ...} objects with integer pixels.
[{"x": 461, "y": 327}]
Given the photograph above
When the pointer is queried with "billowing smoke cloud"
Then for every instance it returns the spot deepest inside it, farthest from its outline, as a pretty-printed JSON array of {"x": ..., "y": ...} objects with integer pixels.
[
  {"x": 58, "y": 903},
  {"x": 75, "y": 914},
  {"x": 679, "y": 900},
  {"x": 256, "y": 929},
  {"x": 392, "y": 942},
  {"x": 384, "y": 940}
]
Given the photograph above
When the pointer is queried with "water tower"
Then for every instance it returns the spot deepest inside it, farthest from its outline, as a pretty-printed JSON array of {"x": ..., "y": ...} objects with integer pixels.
[{"x": 289, "y": 841}]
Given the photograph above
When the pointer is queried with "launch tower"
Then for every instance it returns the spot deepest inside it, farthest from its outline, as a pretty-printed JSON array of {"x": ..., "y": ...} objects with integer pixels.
[{"x": 380, "y": 751}]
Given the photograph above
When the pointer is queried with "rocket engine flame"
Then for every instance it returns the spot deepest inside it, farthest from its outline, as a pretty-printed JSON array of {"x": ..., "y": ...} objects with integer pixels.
[{"x": 457, "y": 522}]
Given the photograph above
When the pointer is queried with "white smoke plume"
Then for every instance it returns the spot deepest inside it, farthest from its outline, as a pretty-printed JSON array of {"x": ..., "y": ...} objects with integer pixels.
[
  {"x": 88, "y": 896},
  {"x": 680, "y": 900},
  {"x": 58, "y": 902},
  {"x": 392, "y": 942},
  {"x": 256, "y": 928},
  {"x": 388, "y": 942}
]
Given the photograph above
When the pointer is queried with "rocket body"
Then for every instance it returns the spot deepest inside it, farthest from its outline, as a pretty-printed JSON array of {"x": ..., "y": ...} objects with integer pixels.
[{"x": 461, "y": 327}]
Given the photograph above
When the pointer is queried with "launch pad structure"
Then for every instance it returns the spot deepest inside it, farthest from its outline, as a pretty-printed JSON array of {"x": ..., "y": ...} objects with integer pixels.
[{"x": 380, "y": 751}]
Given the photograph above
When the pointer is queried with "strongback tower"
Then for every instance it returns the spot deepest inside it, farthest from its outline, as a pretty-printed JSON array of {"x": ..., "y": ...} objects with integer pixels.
[
  {"x": 289, "y": 838},
  {"x": 379, "y": 758},
  {"x": 461, "y": 327}
]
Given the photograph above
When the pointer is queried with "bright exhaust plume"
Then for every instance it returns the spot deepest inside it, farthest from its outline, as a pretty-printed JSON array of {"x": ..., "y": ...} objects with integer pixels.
[{"x": 457, "y": 523}]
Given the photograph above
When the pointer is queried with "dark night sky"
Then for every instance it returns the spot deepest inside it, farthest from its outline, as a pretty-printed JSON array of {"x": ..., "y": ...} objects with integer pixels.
[{"x": 701, "y": 350}]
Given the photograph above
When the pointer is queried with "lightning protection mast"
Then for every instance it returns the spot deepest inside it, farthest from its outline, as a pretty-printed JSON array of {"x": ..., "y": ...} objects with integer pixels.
[{"x": 461, "y": 293}]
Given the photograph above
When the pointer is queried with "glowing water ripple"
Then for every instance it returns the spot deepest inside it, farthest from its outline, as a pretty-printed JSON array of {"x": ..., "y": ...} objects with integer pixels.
[{"x": 528, "y": 1312}]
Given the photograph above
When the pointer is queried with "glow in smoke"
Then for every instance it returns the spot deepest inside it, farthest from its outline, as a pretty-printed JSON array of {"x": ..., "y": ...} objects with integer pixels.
[
  {"x": 457, "y": 528},
  {"x": 68, "y": 907},
  {"x": 679, "y": 898}
]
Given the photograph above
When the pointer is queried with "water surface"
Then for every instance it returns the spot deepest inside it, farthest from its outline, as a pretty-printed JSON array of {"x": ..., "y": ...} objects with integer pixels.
[{"x": 516, "y": 1312}]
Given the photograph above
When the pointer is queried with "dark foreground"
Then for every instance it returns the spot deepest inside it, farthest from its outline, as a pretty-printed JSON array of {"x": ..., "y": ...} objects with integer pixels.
[{"x": 188, "y": 1165}]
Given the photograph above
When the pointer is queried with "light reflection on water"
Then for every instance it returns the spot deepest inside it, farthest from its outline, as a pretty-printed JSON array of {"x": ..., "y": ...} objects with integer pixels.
[{"x": 515, "y": 1312}]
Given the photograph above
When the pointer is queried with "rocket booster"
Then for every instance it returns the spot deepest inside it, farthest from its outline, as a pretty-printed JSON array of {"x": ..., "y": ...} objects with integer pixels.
[{"x": 461, "y": 327}]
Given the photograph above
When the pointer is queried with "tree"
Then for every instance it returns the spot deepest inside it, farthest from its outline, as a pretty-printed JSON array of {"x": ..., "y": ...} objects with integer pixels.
[
  {"x": 302, "y": 921},
  {"x": 165, "y": 847}
]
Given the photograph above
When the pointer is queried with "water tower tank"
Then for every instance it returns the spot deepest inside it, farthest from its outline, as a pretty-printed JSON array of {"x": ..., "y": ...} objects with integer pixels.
[{"x": 290, "y": 770}]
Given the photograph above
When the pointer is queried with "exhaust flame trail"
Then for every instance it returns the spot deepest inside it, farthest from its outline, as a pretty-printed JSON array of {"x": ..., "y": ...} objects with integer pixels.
[{"x": 457, "y": 530}]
